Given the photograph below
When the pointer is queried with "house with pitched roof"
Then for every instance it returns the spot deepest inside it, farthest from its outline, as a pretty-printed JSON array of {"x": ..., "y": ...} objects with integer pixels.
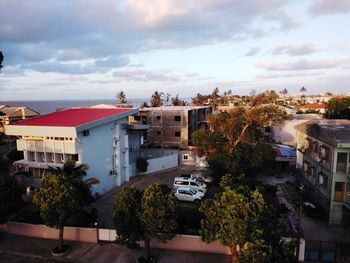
[
  {"x": 323, "y": 157},
  {"x": 98, "y": 137},
  {"x": 9, "y": 115}
]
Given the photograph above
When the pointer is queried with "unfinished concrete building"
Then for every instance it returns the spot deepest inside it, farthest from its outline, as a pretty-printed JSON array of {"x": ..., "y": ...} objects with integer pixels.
[{"x": 172, "y": 126}]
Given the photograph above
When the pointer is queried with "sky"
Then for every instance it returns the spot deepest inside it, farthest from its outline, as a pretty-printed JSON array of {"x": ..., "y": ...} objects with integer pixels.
[{"x": 88, "y": 49}]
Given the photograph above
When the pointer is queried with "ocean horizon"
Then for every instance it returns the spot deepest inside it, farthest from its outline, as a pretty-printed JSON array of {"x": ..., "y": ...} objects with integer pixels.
[{"x": 47, "y": 106}]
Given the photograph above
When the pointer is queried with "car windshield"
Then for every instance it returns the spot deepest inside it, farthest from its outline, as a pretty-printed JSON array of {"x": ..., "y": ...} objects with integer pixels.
[
  {"x": 193, "y": 191},
  {"x": 199, "y": 183}
]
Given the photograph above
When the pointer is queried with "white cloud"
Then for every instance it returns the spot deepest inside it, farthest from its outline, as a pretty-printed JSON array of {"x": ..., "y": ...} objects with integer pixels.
[
  {"x": 329, "y": 7},
  {"x": 296, "y": 50},
  {"x": 301, "y": 65}
]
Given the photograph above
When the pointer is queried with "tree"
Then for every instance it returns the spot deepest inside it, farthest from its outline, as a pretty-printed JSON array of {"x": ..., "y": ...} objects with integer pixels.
[
  {"x": 62, "y": 197},
  {"x": 233, "y": 144},
  {"x": 10, "y": 192},
  {"x": 284, "y": 92},
  {"x": 157, "y": 99},
  {"x": 200, "y": 99},
  {"x": 303, "y": 90},
  {"x": 158, "y": 214},
  {"x": 233, "y": 218},
  {"x": 1, "y": 60},
  {"x": 338, "y": 108},
  {"x": 176, "y": 101},
  {"x": 144, "y": 105},
  {"x": 126, "y": 217},
  {"x": 215, "y": 98},
  {"x": 121, "y": 98}
]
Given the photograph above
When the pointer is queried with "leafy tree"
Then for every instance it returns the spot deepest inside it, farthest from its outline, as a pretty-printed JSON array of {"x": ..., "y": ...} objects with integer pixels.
[
  {"x": 232, "y": 218},
  {"x": 338, "y": 108},
  {"x": 157, "y": 99},
  {"x": 126, "y": 217},
  {"x": 10, "y": 192},
  {"x": 200, "y": 99},
  {"x": 14, "y": 155},
  {"x": 284, "y": 91},
  {"x": 232, "y": 144},
  {"x": 158, "y": 214},
  {"x": 215, "y": 97},
  {"x": 303, "y": 90},
  {"x": 1, "y": 60},
  {"x": 176, "y": 101},
  {"x": 121, "y": 97},
  {"x": 62, "y": 197}
]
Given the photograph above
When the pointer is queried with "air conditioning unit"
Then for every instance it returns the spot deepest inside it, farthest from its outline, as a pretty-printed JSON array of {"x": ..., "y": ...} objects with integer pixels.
[
  {"x": 112, "y": 172},
  {"x": 86, "y": 133}
]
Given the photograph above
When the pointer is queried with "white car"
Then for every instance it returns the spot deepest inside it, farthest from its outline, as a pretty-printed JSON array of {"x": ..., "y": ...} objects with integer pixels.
[
  {"x": 188, "y": 194},
  {"x": 189, "y": 182},
  {"x": 202, "y": 178}
]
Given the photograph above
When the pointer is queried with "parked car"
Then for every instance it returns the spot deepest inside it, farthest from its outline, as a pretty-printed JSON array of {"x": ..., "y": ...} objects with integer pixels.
[
  {"x": 190, "y": 182},
  {"x": 202, "y": 178},
  {"x": 188, "y": 194}
]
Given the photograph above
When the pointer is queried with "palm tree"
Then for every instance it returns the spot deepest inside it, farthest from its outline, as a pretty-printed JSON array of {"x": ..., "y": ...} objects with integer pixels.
[{"x": 121, "y": 97}]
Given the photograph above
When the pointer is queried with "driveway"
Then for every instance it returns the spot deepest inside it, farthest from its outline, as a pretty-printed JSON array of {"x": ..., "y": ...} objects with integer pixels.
[{"x": 104, "y": 205}]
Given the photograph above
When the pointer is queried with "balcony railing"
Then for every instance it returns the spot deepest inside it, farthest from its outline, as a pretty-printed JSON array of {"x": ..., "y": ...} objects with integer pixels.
[{"x": 47, "y": 146}]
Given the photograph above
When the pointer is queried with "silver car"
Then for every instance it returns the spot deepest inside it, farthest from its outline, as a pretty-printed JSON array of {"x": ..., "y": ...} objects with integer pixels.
[{"x": 188, "y": 194}]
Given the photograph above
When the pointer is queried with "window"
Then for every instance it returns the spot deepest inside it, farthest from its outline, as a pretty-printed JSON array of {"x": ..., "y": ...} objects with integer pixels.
[
  {"x": 185, "y": 157},
  {"x": 341, "y": 162},
  {"x": 159, "y": 132},
  {"x": 177, "y": 118},
  {"x": 158, "y": 117},
  {"x": 137, "y": 118},
  {"x": 74, "y": 157},
  {"x": 177, "y": 134},
  {"x": 324, "y": 153}
]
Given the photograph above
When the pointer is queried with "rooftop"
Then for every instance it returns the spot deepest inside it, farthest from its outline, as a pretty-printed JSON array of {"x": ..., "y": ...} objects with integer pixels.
[
  {"x": 170, "y": 108},
  {"x": 73, "y": 117},
  {"x": 332, "y": 131}
]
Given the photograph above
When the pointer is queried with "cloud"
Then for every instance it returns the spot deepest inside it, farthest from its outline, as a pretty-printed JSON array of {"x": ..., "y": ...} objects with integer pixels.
[
  {"x": 136, "y": 75},
  {"x": 295, "y": 50},
  {"x": 252, "y": 51},
  {"x": 289, "y": 75},
  {"x": 301, "y": 65},
  {"x": 329, "y": 7},
  {"x": 34, "y": 32}
]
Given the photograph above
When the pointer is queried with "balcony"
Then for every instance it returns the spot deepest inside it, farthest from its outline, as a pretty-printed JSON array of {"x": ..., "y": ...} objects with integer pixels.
[
  {"x": 339, "y": 196},
  {"x": 47, "y": 146}
]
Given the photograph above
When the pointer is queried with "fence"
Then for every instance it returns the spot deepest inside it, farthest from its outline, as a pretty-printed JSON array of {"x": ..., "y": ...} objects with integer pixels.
[
  {"x": 93, "y": 235},
  {"x": 42, "y": 231}
]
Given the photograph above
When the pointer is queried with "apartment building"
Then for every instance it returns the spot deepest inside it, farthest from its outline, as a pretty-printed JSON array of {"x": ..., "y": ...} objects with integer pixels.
[
  {"x": 10, "y": 115},
  {"x": 172, "y": 126},
  {"x": 323, "y": 156},
  {"x": 99, "y": 138}
]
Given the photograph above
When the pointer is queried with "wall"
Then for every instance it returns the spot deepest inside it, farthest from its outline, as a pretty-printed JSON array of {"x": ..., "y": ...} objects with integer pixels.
[
  {"x": 42, "y": 231},
  {"x": 162, "y": 163}
]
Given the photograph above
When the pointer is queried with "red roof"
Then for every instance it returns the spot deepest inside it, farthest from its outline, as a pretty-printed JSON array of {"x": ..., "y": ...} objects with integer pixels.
[{"x": 73, "y": 117}]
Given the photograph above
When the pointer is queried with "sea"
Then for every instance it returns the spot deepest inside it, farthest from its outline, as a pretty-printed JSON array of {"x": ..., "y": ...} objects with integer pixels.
[{"x": 47, "y": 106}]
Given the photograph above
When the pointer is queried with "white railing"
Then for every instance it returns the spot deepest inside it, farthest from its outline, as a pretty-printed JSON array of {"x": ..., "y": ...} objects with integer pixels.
[{"x": 47, "y": 146}]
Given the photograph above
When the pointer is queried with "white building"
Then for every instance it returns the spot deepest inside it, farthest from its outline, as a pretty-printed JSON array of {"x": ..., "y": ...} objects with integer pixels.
[
  {"x": 285, "y": 133},
  {"x": 99, "y": 138}
]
